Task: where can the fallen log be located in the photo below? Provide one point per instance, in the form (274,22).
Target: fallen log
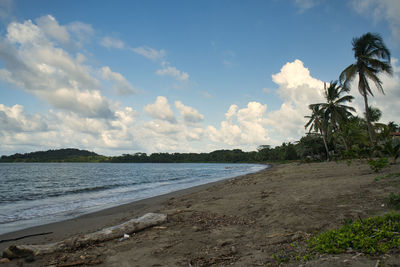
(131,226)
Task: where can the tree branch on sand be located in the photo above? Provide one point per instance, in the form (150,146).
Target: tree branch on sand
(131,226)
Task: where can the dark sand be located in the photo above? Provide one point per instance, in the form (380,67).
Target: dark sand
(243,221)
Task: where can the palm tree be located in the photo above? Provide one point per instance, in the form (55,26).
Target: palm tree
(335,109)
(318,123)
(372,58)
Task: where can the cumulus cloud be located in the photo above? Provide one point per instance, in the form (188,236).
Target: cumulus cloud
(189,114)
(34,63)
(173,72)
(14,119)
(388,10)
(120,84)
(149,52)
(242,127)
(110,42)
(297,89)
(160,109)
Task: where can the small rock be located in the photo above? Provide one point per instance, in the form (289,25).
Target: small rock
(233,250)
(349,250)
(195,228)
(4,260)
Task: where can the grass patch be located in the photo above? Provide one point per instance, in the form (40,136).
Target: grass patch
(374,235)
(387,176)
(394,201)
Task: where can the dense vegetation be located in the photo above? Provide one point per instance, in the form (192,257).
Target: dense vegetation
(58,155)
(372,236)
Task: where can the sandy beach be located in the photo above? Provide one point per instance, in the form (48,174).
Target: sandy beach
(250,220)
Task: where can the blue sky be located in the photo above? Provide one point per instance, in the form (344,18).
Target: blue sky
(177,76)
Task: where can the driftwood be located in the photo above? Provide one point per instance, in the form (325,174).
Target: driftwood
(131,226)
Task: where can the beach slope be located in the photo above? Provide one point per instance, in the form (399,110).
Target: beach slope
(252,220)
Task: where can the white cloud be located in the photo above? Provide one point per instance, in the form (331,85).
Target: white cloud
(149,52)
(110,42)
(50,27)
(14,119)
(388,10)
(297,89)
(242,127)
(121,85)
(34,63)
(82,32)
(173,72)
(189,114)
(160,109)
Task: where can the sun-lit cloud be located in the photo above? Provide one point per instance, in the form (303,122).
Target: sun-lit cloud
(35,64)
(160,109)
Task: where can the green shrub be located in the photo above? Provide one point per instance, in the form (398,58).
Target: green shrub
(394,201)
(372,236)
(379,164)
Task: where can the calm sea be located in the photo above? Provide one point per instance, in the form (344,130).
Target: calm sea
(38,193)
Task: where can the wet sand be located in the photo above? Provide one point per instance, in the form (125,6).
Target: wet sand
(246,221)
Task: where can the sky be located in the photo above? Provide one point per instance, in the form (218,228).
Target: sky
(120,77)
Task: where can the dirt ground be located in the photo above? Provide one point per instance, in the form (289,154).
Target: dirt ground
(259,219)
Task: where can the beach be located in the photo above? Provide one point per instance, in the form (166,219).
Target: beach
(249,220)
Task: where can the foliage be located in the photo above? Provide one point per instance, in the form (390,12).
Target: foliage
(372,236)
(58,155)
(394,201)
(311,147)
(379,164)
(372,58)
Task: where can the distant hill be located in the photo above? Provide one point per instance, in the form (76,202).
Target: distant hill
(57,155)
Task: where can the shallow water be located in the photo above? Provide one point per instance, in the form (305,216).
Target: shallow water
(38,193)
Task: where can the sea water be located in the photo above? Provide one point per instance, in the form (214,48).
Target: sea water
(38,193)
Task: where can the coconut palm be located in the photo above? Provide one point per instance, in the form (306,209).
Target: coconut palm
(318,123)
(372,58)
(335,109)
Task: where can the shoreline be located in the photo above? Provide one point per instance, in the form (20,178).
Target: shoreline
(250,220)
(97,220)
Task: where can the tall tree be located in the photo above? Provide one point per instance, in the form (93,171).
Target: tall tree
(372,58)
(335,110)
(318,123)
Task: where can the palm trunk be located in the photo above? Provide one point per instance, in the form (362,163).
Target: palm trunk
(367,118)
(324,139)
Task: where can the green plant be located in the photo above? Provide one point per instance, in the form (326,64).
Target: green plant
(394,201)
(374,235)
(387,176)
(379,164)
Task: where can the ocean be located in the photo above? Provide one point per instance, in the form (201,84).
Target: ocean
(38,193)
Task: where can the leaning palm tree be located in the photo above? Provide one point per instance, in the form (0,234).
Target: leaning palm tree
(372,58)
(335,109)
(318,123)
